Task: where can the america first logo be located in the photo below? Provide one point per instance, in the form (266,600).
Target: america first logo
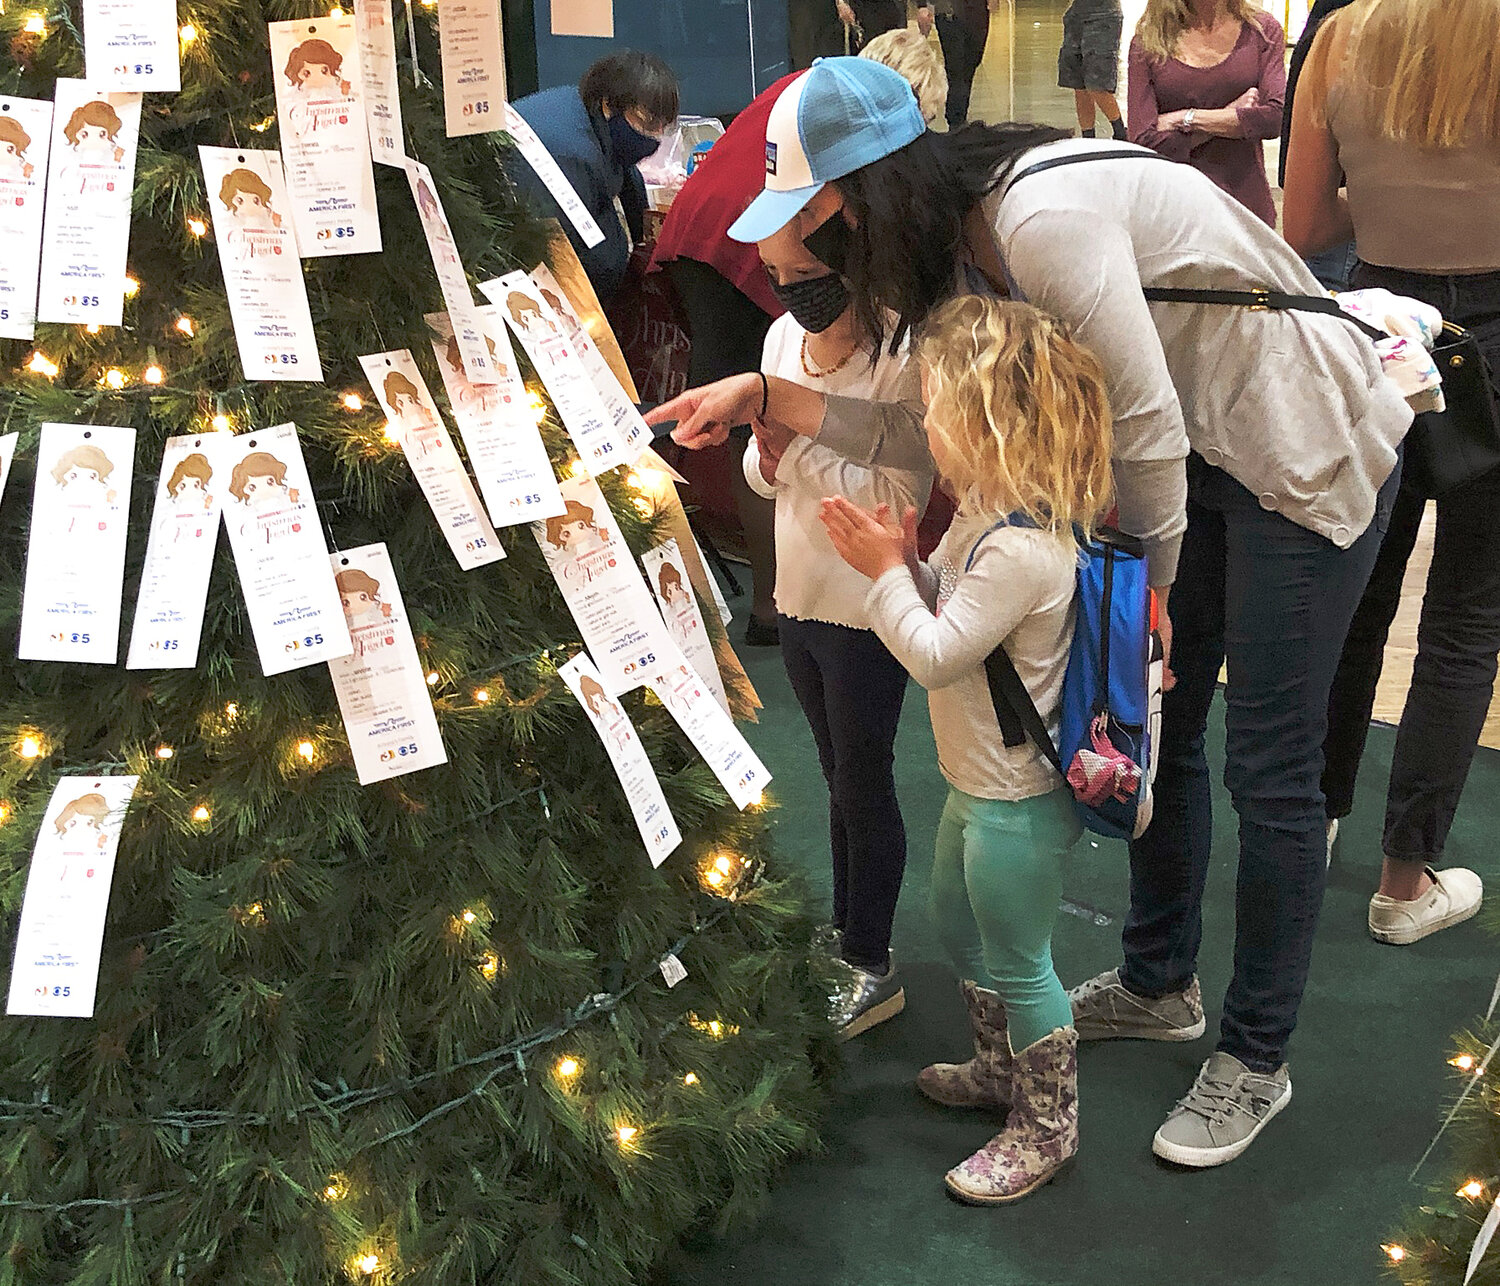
(770,158)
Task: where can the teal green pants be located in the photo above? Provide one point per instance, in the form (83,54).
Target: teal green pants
(996,885)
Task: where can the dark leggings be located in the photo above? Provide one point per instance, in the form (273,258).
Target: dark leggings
(851,690)
(1453,678)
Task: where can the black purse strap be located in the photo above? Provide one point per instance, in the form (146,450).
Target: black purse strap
(1256,300)
(1015,710)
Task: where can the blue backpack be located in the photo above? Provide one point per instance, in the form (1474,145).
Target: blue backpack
(1111,699)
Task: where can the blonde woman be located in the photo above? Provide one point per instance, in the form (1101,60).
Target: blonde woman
(1206,83)
(1400,101)
(911,55)
(1019,425)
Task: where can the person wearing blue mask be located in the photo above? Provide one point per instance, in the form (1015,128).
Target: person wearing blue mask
(598,133)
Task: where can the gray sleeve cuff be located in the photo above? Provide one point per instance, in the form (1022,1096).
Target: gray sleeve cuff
(885,434)
(1152,499)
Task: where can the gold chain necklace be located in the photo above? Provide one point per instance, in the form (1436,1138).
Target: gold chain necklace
(813,372)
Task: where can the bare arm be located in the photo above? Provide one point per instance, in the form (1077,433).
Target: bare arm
(1315,216)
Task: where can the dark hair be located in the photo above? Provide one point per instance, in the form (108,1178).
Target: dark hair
(629,80)
(909,210)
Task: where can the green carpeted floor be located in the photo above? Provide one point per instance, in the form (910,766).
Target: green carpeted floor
(1308,1204)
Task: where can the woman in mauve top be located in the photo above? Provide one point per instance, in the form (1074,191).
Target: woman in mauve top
(1206,83)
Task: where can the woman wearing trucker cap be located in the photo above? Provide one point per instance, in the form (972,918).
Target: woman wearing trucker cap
(1254,458)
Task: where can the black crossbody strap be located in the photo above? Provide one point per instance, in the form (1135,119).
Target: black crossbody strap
(1010,697)
(1261,301)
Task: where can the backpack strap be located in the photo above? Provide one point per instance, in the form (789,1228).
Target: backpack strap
(1075,158)
(1015,711)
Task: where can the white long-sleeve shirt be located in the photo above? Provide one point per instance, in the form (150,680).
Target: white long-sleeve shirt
(812,582)
(942,624)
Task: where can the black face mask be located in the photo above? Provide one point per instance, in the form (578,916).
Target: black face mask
(830,242)
(814,304)
(631,147)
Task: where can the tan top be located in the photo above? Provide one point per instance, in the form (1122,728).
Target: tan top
(1423,209)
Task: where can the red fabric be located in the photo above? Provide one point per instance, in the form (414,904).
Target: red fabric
(728,177)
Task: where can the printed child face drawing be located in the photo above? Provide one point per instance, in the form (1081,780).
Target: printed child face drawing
(359,592)
(83,474)
(83,819)
(426,201)
(314,68)
(247,197)
(597,700)
(190,479)
(405,400)
(527,314)
(14,141)
(259,482)
(574,530)
(669,582)
(93,132)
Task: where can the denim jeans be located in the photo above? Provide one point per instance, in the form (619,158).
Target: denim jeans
(1333,267)
(963,51)
(851,690)
(1274,600)
(1458,639)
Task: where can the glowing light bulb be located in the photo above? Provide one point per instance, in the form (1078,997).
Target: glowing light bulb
(723,863)
(482,695)
(201,813)
(626,1134)
(1473,1190)
(337,1188)
(132,287)
(335,12)
(164,752)
(577,469)
(1395,1253)
(1464,1062)
(714,877)
(231,710)
(369,1265)
(41,364)
(93,328)
(690,1079)
(221,424)
(187,33)
(154,375)
(468,916)
(352,402)
(186,326)
(306,750)
(715,1028)
(389,435)
(115,378)
(197,227)
(433,678)
(634,481)
(31,746)
(538,406)
(489,964)
(565,1069)
(36,25)
(261,126)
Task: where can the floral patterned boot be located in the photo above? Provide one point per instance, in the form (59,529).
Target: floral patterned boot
(984,1081)
(1041,1134)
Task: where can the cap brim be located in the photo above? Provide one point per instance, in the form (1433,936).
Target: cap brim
(770,212)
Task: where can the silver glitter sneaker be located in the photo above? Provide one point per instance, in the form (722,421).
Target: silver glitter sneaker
(864,999)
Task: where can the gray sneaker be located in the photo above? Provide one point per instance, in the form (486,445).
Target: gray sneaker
(1104,1010)
(864,999)
(1223,1112)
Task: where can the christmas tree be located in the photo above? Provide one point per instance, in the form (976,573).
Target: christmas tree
(409,1032)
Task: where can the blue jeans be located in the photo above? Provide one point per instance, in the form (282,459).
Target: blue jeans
(851,690)
(1275,600)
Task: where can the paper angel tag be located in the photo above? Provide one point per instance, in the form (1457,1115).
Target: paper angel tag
(90,181)
(273,325)
(415,422)
(667,575)
(25,139)
(497,426)
(470,45)
(463,313)
(75,561)
(603,587)
(280,552)
(377,56)
(325,141)
(382,691)
(132,44)
(708,726)
(55,973)
(179,554)
(632,766)
(543,335)
(542,161)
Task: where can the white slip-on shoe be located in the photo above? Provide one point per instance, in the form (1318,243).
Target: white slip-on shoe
(1454,897)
